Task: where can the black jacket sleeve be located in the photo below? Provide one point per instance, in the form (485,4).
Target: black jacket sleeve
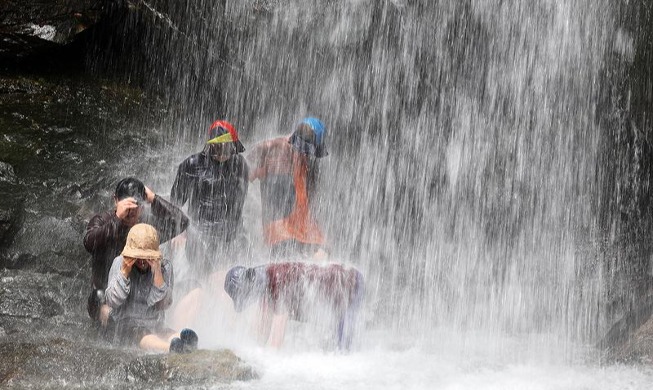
(100,231)
(168,219)
(180,188)
(243,185)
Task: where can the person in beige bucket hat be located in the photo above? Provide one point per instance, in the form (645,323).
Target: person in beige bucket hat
(140,290)
(106,236)
(142,243)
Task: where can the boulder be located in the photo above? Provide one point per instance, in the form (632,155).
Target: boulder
(631,338)
(11,207)
(38,296)
(34,33)
(56,21)
(65,363)
(200,367)
(638,348)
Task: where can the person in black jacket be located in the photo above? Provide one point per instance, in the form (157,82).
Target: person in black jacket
(106,234)
(214,184)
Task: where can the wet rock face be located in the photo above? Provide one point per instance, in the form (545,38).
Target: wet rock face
(33,32)
(59,362)
(637,348)
(11,210)
(53,21)
(198,368)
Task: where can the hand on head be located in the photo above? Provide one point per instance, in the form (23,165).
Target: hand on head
(126,267)
(149,195)
(129,196)
(155,264)
(126,208)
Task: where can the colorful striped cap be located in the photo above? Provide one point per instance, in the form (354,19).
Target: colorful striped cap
(222,132)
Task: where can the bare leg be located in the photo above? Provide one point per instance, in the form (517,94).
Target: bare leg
(156,343)
(187,309)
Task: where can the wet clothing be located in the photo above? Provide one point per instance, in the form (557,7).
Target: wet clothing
(288,284)
(296,288)
(138,305)
(106,235)
(288,181)
(215,193)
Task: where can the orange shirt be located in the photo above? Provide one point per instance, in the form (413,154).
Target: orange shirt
(283,173)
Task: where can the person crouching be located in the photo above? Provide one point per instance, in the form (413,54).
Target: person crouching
(139,291)
(292,290)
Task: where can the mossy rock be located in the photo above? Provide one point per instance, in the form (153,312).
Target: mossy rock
(57,362)
(199,367)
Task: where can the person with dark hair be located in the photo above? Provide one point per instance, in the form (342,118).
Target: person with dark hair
(299,291)
(106,234)
(214,185)
(139,290)
(287,169)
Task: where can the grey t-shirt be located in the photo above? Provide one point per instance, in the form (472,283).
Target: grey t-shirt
(136,299)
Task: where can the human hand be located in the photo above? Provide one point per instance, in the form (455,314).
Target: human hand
(126,267)
(105,311)
(149,195)
(124,207)
(155,265)
(155,268)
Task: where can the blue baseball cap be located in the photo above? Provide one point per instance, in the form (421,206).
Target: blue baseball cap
(310,142)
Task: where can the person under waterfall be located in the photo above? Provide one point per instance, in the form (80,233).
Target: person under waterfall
(139,290)
(305,292)
(106,235)
(287,168)
(214,185)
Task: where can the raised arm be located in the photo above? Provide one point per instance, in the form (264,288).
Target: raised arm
(256,160)
(160,295)
(119,284)
(168,219)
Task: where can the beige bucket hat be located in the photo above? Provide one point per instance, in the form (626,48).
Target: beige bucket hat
(142,243)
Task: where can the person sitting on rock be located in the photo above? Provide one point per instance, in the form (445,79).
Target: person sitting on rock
(296,290)
(138,292)
(287,168)
(106,234)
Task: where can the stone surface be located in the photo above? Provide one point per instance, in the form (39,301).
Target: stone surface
(638,348)
(55,21)
(11,208)
(46,35)
(64,363)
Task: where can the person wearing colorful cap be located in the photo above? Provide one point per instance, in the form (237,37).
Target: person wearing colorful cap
(302,292)
(287,169)
(106,233)
(139,291)
(214,185)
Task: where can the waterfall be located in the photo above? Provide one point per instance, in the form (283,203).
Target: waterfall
(467,168)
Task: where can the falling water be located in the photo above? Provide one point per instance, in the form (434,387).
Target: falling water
(464,175)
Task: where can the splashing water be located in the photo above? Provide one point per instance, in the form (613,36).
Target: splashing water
(463,177)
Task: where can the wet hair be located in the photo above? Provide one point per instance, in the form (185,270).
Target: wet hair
(130,187)
(239,284)
(307,140)
(306,133)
